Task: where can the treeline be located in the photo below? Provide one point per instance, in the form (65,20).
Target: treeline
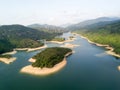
(50,57)
(108,34)
(60,39)
(6,56)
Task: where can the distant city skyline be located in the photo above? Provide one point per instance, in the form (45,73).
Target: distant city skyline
(55,12)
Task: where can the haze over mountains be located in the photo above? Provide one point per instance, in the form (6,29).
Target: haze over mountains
(105,20)
(46,28)
(112,26)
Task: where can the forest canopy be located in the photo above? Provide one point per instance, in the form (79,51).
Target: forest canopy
(50,57)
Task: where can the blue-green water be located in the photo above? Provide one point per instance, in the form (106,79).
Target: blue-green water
(89,68)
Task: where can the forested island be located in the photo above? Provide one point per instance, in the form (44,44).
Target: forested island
(48,61)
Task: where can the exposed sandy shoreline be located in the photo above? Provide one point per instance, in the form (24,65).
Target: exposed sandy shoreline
(38,48)
(56,42)
(7,61)
(67,45)
(110,49)
(10,53)
(68,40)
(44,71)
(21,49)
(31,60)
(30,49)
(118,68)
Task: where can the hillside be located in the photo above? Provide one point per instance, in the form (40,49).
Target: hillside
(107,34)
(18,36)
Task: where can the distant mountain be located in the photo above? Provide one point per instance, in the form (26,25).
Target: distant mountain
(99,24)
(39,25)
(65,25)
(109,26)
(18,36)
(46,28)
(92,21)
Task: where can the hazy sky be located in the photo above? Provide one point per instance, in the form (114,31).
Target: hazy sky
(55,12)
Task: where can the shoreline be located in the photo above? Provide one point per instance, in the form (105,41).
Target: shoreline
(110,50)
(118,68)
(7,60)
(31,60)
(68,40)
(56,42)
(38,48)
(10,53)
(67,45)
(44,71)
(30,49)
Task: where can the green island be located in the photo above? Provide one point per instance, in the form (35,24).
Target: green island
(106,34)
(48,61)
(50,57)
(59,39)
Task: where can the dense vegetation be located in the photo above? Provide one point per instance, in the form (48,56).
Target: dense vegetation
(60,39)
(6,56)
(50,57)
(18,36)
(107,34)
(29,43)
(5,46)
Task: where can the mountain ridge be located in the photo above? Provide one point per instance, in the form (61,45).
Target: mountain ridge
(90,22)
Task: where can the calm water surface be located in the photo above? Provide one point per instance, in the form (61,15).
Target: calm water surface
(89,68)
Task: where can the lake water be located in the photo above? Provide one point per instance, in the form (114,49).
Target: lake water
(89,68)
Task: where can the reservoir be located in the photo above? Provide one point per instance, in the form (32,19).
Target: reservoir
(89,68)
